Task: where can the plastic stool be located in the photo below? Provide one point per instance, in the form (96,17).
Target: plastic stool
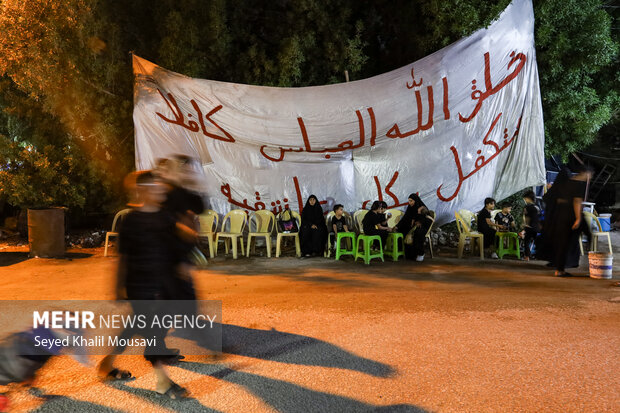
(507,244)
(366,254)
(341,250)
(393,248)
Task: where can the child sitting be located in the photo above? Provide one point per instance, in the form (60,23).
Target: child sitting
(338,223)
(375,222)
(504,219)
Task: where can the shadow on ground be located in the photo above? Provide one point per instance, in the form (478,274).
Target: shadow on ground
(10,258)
(55,403)
(507,273)
(288,397)
(187,404)
(292,349)
(13,257)
(281,395)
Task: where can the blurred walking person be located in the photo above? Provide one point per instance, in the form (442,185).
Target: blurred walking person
(147,263)
(564,221)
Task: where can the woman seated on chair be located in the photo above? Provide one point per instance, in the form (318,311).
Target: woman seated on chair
(422,224)
(416,216)
(411,214)
(375,222)
(313,232)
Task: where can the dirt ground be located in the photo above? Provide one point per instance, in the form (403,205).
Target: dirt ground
(319,335)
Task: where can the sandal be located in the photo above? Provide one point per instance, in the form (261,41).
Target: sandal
(117,374)
(175,392)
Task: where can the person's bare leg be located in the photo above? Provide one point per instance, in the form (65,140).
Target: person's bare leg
(106,365)
(107,371)
(163,381)
(165,385)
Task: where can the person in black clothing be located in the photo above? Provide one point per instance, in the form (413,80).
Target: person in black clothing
(422,224)
(486,226)
(313,231)
(375,223)
(185,205)
(504,218)
(146,267)
(564,222)
(411,214)
(338,222)
(531,223)
(413,218)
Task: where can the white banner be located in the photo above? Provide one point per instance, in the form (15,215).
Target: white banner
(457,126)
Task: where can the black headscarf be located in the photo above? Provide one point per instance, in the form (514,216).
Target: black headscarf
(556,191)
(411,213)
(312,214)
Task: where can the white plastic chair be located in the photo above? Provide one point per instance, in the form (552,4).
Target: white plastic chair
(118,218)
(428,233)
(395,216)
(463,223)
(238,219)
(264,222)
(295,235)
(590,218)
(208,221)
(358,217)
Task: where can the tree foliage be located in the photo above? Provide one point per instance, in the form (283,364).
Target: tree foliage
(575,48)
(66,84)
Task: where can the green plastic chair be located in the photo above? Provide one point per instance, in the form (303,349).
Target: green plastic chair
(366,254)
(345,235)
(394,248)
(507,244)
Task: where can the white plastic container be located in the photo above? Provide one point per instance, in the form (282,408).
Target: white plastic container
(600,264)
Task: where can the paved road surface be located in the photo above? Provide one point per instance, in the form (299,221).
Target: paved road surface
(315,335)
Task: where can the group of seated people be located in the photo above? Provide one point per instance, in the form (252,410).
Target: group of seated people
(415,222)
(504,222)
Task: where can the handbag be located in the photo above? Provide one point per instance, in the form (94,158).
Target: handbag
(287,222)
(409,236)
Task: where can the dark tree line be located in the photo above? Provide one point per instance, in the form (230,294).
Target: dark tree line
(66,133)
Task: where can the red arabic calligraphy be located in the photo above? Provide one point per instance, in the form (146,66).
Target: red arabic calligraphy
(388,191)
(490,90)
(446,109)
(277,206)
(343,146)
(179,118)
(395,132)
(480,161)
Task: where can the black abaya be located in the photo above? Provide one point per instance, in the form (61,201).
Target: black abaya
(560,241)
(411,215)
(408,221)
(312,240)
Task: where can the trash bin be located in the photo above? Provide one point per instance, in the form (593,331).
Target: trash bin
(46,232)
(605,220)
